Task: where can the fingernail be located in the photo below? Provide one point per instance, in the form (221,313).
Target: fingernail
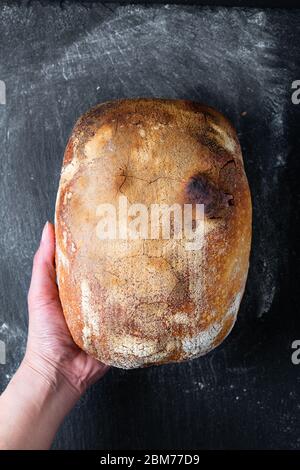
(44,234)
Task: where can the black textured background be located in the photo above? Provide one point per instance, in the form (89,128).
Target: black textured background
(57,61)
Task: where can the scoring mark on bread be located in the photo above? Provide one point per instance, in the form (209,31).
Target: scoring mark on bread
(223,138)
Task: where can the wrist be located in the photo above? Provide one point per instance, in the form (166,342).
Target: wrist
(56,372)
(47,377)
(36,400)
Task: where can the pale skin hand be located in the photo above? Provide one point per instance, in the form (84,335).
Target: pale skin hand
(54,372)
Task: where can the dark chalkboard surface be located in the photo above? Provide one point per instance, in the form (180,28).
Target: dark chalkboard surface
(56,62)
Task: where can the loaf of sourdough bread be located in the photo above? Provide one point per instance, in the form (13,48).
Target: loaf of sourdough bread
(134,291)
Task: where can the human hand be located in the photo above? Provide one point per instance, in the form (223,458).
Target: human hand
(54,372)
(51,350)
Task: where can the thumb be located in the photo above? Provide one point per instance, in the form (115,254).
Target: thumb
(43,289)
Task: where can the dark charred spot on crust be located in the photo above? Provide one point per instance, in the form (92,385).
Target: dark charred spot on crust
(193,106)
(200,190)
(209,114)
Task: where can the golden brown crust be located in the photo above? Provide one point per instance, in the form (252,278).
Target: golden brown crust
(143,302)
